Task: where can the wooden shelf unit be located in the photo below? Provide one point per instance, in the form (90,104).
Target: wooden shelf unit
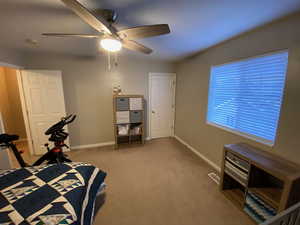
(273,179)
(124,106)
(270,195)
(236,195)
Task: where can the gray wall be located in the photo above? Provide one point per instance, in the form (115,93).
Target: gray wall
(11,56)
(88,89)
(192,91)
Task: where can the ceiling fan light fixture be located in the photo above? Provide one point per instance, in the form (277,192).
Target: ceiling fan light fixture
(112,45)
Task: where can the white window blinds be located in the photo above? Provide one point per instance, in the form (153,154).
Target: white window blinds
(245,96)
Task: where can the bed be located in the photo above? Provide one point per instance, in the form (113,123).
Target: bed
(50,194)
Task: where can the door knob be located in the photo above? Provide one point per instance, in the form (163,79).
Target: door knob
(153,111)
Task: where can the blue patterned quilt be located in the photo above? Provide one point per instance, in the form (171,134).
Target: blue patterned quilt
(49,194)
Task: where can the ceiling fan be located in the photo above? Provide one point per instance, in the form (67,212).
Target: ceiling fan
(110,38)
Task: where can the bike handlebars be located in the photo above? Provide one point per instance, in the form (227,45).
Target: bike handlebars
(60,125)
(69,119)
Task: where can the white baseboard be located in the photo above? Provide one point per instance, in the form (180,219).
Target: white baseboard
(212,164)
(98,144)
(93,145)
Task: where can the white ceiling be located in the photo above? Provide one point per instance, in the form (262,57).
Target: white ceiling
(195,24)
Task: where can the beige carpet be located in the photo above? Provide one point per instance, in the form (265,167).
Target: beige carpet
(23,145)
(160,183)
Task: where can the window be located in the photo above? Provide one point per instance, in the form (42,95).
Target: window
(245,96)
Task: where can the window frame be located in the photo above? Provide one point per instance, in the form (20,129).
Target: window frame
(235,131)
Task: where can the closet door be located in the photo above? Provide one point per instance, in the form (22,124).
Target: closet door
(162,105)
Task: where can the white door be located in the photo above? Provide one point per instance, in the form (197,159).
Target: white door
(162,104)
(45,103)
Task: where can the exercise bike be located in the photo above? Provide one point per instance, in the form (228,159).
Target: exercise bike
(53,155)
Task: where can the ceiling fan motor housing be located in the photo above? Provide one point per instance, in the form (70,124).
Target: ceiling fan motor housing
(109,15)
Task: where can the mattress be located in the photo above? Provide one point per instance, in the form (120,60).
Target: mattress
(50,194)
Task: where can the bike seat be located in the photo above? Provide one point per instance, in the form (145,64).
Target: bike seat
(6,138)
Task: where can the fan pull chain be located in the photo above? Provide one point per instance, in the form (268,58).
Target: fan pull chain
(109,63)
(116,59)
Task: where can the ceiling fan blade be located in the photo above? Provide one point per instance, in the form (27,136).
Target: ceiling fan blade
(72,35)
(132,45)
(97,22)
(144,31)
